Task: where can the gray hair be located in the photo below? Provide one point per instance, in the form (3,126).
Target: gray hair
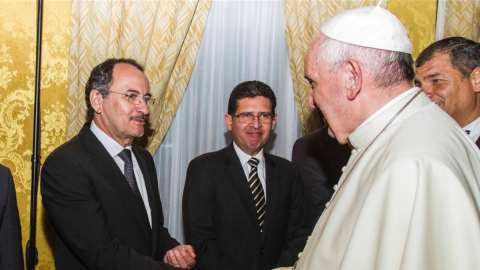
(385,68)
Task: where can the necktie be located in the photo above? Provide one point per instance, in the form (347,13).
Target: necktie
(126,156)
(257,191)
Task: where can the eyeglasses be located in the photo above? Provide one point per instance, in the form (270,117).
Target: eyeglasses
(248,118)
(136,99)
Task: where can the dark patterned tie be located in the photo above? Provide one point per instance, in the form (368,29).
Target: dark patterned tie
(126,156)
(257,191)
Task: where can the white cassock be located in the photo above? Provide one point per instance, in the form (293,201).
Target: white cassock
(412,200)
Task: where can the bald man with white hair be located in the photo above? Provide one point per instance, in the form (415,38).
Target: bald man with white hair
(409,196)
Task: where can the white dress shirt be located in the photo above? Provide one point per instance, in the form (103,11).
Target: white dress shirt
(114,148)
(474,129)
(244,158)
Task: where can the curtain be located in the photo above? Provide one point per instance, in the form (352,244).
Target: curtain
(243,40)
(460,18)
(164,36)
(303,22)
(304,19)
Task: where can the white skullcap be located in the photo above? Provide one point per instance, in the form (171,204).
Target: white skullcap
(372,27)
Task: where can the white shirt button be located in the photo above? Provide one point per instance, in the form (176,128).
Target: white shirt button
(344,169)
(327,204)
(354,152)
(300,254)
(335,187)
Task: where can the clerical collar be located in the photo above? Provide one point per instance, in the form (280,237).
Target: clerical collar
(112,146)
(244,157)
(389,104)
(473,129)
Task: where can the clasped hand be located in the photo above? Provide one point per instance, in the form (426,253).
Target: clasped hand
(181,256)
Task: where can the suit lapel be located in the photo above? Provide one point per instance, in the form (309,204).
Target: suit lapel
(237,176)
(102,160)
(273,185)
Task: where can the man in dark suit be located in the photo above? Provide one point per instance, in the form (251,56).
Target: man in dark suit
(320,158)
(11,256)
(448,71)
(102,199)
(243,208)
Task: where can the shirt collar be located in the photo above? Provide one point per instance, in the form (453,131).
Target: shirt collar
(112,146)
(244,158)
(367,131)
(389,104)
(474,128)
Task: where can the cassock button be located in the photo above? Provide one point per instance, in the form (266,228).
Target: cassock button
(344,168)
(335,187)
(262,250)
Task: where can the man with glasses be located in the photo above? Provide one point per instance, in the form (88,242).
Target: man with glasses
(101,192)
(243,208)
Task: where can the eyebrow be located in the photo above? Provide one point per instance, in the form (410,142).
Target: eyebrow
(431,76)
(138,92)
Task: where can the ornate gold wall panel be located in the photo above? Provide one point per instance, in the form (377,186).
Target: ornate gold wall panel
(418,17)
(17,82)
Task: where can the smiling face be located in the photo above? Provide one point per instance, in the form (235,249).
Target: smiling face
(446,86)
(251,137)
(115,115)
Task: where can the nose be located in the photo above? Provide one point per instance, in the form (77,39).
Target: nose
(427,91)
(143,107)
(256,122)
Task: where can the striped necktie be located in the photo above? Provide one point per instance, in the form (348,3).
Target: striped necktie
(257,191)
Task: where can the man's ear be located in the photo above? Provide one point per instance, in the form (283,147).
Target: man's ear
(96,100)
(228,121)
(274,122)
(475,79)
(353,80)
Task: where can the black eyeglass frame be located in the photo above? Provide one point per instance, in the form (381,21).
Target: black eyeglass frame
(248,118)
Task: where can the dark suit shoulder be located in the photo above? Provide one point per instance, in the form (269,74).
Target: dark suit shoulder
(312,137)
(142,152)
(70,148)
(4,170)
(280,161)
(211,157)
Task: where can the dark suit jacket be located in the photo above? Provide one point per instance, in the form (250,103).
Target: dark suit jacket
(96,219)
(321,159)
(11,254)
(220,217)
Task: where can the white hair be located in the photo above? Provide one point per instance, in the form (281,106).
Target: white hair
(384,68)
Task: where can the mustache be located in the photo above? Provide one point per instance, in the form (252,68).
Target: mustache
(142,117)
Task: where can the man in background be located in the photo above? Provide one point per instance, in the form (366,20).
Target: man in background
(320,159)
(11,256)
(101,192)
(243,208)
(448,71)
(409,197)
